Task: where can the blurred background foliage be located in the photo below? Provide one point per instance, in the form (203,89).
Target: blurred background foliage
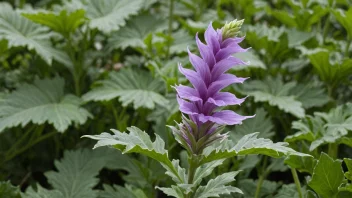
(75,67)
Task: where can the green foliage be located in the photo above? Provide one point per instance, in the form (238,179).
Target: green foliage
(64,23)
(327,176)
(344,18)
(136,87)
(8,191)
(19,31)
(41,102)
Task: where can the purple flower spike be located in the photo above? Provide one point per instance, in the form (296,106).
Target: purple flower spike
(202,101)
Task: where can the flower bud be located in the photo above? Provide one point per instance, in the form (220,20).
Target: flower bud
(232,29)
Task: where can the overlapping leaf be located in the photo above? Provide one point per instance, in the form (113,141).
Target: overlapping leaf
(19,31)
(136,30)
(138,141)
(40,102)
(132,87)
(7,190)
(276,93)
(345,19)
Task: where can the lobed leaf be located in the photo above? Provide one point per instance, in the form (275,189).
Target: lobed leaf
(40,102)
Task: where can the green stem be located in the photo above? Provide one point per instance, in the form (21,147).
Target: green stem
(347,48)
(262,177)
(326,27)
(41,138)
(171,13)
(333,150)
(114,112)
(193,165)
(298,184)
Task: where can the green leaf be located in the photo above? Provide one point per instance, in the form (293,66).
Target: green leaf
(331,73)
(216,186)
(345,19)
(289,190)
(9,191)
(174,191)
(327,176)
(348,163)
(181,40)
(297,38)
(205,170)
(41,193)
(110,15)
(248,186)
(138,141)
(135,87)
(115,191)
(261,122)
(63,22)
(247,145)
(252,58)
(310,95)
(301,163)
(40,102)
(19,31)
(136,30)
(276,93)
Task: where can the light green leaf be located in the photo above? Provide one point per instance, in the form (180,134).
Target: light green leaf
(331,73)
(138,141)
(310,95)
(136,30)
(345,19)
(247,145)
(327,176)
(63,22)
(19,31)
(248,186)
(261,122)
(41,193)
(40,102)
(252,58)
(205,170)
(115,191)
(174,191)
(110,15)
(7,190)
(301,163)
(216,186)
(286,191)
(297,38)
(284,17)
(135,87)
(276,93)
(181,40)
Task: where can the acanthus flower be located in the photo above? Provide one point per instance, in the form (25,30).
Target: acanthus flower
(202,101)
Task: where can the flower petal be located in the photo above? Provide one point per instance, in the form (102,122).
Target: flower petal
(187,107)
(201,67)
(225,117)
(206,53)
(223,81)
(231,41)
(211,37)
(224,65)
(195,79)
(224,99)
(187,93)
(228,51)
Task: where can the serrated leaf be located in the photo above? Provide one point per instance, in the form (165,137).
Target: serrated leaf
(136,30)
(205,170)
(138,141)
(249,144)
(276,93)
(135,87)
(216,186)
(330,73)
(41,193)
(19,31)
(115,191)
(248,186)
(297,38)
(110,15)
(327,176)
(63,22)
(181,40)
(261,122)
(40,102)
(345,19)
(310,95)
(7,190)
(174,191)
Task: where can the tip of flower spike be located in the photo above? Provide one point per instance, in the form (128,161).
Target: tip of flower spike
(232,29)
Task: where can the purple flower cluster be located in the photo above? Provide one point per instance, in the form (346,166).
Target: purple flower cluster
(203,101)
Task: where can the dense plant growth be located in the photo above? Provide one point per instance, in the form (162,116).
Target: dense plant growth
(161,74)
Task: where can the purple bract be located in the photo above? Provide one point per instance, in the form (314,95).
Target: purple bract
(203,101)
